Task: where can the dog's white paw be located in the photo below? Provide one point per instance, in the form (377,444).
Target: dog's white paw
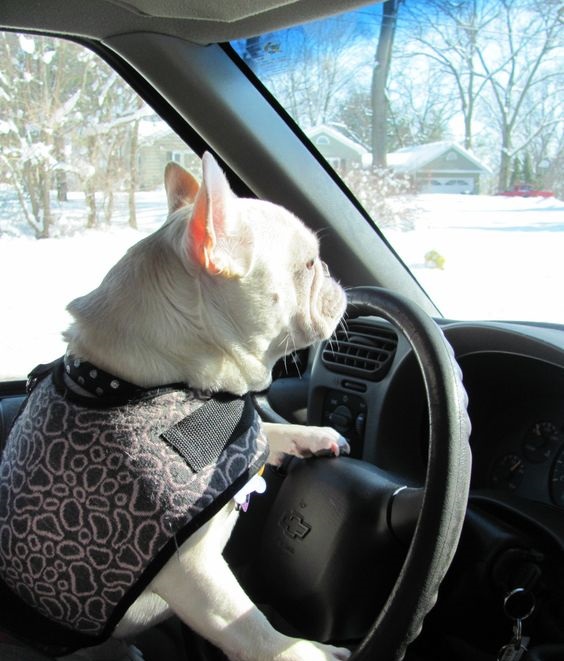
(304,441)
(325,441)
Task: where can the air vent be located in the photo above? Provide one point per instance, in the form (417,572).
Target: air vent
(360,350)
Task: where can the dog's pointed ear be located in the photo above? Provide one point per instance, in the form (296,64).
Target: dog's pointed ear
(217,243)
(181,187)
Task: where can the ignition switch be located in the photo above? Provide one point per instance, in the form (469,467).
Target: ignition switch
(517,568)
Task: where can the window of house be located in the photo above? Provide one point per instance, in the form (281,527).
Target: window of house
(81,172)
(175,156)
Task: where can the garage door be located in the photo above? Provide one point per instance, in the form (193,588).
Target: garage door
(456,185)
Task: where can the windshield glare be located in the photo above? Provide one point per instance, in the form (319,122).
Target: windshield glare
(444,119)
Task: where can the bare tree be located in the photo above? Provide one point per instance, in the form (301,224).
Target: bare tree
(552,167)
(133,143)
(540,134)
(520,72)
(64,113)
(420,107)
(380,75)
(419,110)
(447,33)
(355,113)
(107,144)
(36,99)
(499,57)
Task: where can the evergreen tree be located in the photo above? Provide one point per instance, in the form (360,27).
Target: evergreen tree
(516,172)
(527,170)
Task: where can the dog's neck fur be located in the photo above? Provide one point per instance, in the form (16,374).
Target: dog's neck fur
(128,327)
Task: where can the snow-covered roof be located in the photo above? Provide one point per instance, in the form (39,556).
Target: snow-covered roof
(407,159)
(416,157)
(153,128)
(336,134)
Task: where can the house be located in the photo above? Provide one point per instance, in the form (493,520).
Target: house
(157,146)
(439,167)
(436,167)
(340,151)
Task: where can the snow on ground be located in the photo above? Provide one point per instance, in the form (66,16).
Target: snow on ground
(503,259)
(40,277)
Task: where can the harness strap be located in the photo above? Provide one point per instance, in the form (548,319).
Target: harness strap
(217,422)
(38,373)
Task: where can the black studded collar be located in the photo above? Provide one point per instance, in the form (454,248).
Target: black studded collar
(88,384)
(95,381)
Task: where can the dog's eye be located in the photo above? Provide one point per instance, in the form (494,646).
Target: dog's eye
(310,264)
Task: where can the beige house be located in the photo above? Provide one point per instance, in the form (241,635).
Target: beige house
(341,152)
(439,167)
(436,167)
(157,146)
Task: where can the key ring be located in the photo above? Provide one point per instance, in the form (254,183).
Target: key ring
(519,596)
(518,605)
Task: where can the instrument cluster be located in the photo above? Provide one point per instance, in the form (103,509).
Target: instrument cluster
(535,466)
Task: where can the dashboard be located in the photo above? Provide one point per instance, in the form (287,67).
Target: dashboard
(365,383)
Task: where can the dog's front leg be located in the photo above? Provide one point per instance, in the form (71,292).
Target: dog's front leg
(302,441)
(200,588)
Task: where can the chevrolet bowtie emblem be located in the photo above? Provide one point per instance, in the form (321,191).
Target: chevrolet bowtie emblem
(294,525)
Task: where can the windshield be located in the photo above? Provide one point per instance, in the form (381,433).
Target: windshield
(444,119)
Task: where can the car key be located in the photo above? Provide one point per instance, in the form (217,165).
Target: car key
(518,605)
(515,649)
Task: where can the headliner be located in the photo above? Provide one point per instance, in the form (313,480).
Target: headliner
(200,21)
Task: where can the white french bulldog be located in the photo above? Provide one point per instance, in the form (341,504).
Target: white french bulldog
(214,298)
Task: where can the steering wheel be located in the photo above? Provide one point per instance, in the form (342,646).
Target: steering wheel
(348,551)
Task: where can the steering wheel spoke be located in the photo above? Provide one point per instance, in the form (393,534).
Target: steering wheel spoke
(338,509)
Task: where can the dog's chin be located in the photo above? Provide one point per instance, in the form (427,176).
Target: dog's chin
(318,329)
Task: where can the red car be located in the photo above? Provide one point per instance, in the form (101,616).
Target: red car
(525,190)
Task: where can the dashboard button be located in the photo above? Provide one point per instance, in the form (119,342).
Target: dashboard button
(341,418)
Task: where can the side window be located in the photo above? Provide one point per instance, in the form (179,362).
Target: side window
(81,170)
